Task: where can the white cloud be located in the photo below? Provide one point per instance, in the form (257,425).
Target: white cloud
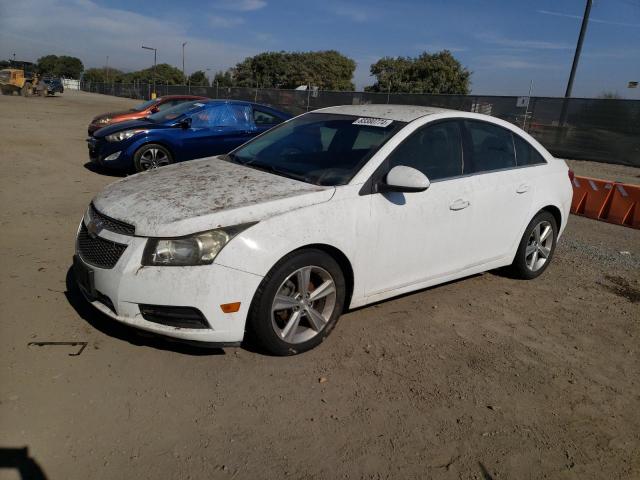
(356,13)
(438,47)
(509,62)
(591,19)
(240,5)
(91,32)
(225,22)
(499,40)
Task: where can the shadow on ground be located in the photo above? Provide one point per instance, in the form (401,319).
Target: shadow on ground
(92,167)
(18,459)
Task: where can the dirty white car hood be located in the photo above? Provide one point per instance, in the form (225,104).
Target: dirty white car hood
(201,195)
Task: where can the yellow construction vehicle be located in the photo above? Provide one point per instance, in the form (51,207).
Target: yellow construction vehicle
(22,81)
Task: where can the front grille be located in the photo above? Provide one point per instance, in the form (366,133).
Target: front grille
(98,251)
(110,223)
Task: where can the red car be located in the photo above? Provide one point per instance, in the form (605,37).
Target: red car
(143,110)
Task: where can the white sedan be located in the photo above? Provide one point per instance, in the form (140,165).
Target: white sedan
(332,210)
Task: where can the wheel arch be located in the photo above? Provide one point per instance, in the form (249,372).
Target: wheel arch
(553,210)
(149,141)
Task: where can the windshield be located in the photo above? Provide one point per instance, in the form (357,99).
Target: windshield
(175,112)
(144,105)
(318,148)
(5,76)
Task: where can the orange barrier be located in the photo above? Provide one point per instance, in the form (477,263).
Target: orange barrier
(612,202)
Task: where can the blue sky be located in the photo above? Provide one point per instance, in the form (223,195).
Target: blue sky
(506,44)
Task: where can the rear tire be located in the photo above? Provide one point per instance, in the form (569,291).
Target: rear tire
(536,247)
(297,303)
(151,156)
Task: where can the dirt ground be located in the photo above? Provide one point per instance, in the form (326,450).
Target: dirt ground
(483,378)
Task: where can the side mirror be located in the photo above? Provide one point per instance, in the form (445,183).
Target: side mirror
(185,123)
(404,179)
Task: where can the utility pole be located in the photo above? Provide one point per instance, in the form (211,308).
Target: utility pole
(183,75)
(576,57)
(574,65)
(107,68)
(155,58)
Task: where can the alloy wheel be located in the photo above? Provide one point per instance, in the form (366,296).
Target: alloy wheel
(153,158)
(303,304)
(539,246)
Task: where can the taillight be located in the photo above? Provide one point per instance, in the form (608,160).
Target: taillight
(571,175)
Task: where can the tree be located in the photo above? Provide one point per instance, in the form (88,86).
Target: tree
(103,75)
(438,73)
(198,79)
(165,74)
(328,70)
(47,64)
(223,79)
(62,66)
(69,67)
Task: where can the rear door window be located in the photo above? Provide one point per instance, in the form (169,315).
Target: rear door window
(167,105)
(261,117)
(225,115)
(434,150)
(491,148)
(525,153)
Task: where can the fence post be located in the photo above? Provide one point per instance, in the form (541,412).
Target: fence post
(533,102)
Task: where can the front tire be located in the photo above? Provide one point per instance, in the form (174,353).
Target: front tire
(151,156)
(298,303)
(536,247)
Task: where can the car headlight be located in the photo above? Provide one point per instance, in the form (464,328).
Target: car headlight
(120,136)
(199,249)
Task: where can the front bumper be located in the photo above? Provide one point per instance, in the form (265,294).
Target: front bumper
(128,285)
(100,150)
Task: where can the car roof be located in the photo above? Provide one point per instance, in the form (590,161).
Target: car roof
(400,113)
(175,97)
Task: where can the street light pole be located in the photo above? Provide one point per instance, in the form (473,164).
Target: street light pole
(155,58)
(107,68)
(183,75)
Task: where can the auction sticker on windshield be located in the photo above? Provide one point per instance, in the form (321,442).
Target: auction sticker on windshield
(373,122)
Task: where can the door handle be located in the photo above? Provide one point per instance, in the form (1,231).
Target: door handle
(459,204)
(522,188)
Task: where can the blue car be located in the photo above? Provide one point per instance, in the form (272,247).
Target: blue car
(201,128)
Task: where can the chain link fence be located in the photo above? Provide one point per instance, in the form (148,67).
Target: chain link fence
(604,130)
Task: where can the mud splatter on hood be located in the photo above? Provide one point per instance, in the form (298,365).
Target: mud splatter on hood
(203,194)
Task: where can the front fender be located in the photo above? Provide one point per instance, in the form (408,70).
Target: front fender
(259,248)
